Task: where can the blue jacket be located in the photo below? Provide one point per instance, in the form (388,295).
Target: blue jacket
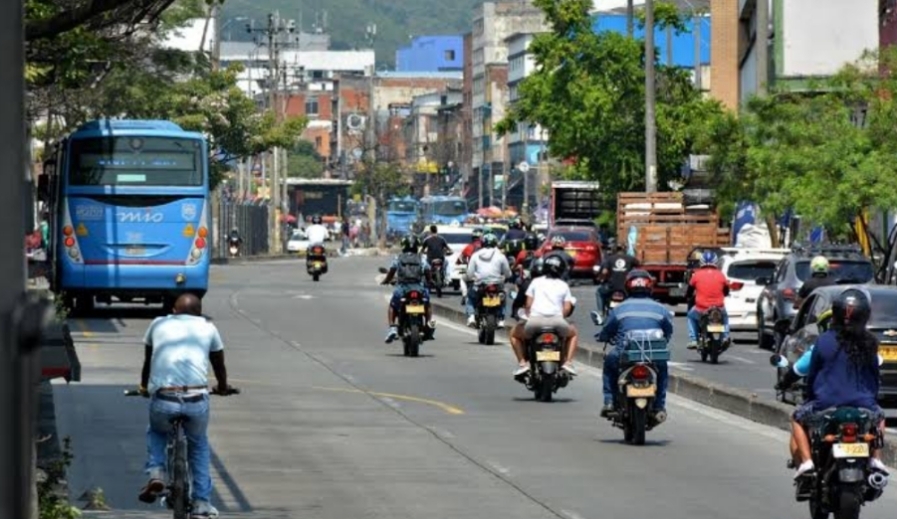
(636,313)
(834,381)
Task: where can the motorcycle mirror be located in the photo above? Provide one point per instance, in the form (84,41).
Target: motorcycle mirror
(383,270)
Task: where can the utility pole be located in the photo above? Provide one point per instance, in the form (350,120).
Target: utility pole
(650,102)
(762,44)
(630,15)
(696,31)
(216,43)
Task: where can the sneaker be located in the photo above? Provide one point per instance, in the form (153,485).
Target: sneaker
(877,464)
(472,321)
(596,318)
(203,510)
(501,323)
(521,370)
(151,491)
(432,324)
(569,369)
(392,335)
(607,410)
(692,345)
(805,468)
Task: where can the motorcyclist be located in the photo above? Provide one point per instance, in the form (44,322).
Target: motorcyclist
(515,231)
(519,302)
(435,247)
(558,243)
(819,277)
(316,232)
(709,287)
(476,243)
(548,303)
(843,371)
(410,271)
(612,275)
(486,266)
(234,237)
(638,313)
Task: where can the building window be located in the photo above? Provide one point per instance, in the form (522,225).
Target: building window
(311,106)
(450,55)
(318,144)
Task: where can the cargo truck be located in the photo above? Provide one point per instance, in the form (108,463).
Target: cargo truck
(575,202)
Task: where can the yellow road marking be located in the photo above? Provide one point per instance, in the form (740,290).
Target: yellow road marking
(82,326)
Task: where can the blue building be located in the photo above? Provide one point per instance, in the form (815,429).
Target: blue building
(432,54)
(683,44)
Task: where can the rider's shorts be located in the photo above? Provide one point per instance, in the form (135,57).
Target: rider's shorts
(535,324)
(806,413)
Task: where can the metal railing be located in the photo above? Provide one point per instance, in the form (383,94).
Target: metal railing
(250,218)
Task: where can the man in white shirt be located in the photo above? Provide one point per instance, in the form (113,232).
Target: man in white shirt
(548,303)
(316,232)
(179,349)
(487,265)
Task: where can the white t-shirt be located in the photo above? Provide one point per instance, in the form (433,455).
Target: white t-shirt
(316,233)
(549,296)
(181,346)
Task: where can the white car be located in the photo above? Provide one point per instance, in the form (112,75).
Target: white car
(457,238)
(742,268)
(298,243)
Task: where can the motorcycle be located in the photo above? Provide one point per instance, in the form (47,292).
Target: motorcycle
(233,248)
(545,352)
(412,322)
(437,275)
(316,261)
(710,335)
(488,312)
(637,384)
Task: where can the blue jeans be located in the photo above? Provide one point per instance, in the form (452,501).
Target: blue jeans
(612,372)
(694,323)
(400,291)
(602,292)
(198,451)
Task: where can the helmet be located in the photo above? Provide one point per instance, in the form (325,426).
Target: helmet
(531,242)
(639,282)
(708,259)
(554,267)
(824,320)
(819,265)
(410,243)
(851,308)
(515,224)
(476,235)
(490,241)
(538,268)
(316,219)
(558,242)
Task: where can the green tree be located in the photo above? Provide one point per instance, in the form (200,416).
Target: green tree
(304,161)
(589,94)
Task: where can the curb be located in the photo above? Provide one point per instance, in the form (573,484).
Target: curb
(731,400)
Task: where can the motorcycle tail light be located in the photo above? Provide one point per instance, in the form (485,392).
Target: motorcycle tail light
(492,289)
(849,432)
(547,338)
(413,295)
(639,372)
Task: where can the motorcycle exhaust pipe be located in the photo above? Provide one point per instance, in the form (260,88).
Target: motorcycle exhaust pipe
(878,480)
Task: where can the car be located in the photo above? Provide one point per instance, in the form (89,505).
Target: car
(742,268)
(582,244)
(457,238)
(777,299)
(802,332)
(298,242)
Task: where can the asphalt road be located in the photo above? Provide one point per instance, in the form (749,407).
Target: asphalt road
(334,424)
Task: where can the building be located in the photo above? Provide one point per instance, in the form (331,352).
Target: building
(493,23)
(432,135)
(467,112)
(431,54)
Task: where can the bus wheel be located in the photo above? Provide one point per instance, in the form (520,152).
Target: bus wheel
(83,305)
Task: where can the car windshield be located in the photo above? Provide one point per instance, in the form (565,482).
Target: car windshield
(884,310)
(574,235)
(751,269)
(852,271)
(403,207)
(297,236)
(457,238)
(450,208)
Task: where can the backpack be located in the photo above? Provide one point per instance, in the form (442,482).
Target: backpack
(409,270)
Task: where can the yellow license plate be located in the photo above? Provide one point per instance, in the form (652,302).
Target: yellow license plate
(716,328)
(414,309)
(850,450)
(639,392)
(491,301)
(888,353)
(545,356)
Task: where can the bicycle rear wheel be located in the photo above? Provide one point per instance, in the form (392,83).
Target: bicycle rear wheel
(178,497)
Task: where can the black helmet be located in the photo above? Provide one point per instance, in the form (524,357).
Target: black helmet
(538,268)
(316,219)
(531,242)
(410,243)
(490,241)
(639,282)
(852,308)
(554,267)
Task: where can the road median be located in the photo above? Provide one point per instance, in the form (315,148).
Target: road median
(729,399)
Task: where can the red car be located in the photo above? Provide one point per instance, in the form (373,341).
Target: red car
(582,244)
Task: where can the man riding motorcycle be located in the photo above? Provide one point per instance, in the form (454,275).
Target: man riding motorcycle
(548,303)
(558,243)
(435,247)
(486,266)
(515,231)
(410,271)
(819,277)
(476,243)
(316,232)
(709,287)
(637,313)
(843,371)
(614,270)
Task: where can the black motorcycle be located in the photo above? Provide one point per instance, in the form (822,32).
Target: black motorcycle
(233,247)
(546,353)
(710,335)
(412,321)
(437,275)
(316,261)
(637,385)
(488,312)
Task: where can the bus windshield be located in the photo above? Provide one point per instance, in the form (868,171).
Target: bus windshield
(454,208)
(403,207)
(135,161)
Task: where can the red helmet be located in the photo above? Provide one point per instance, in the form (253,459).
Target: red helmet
(639,281)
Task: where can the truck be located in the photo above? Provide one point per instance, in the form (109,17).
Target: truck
(575,202)
(320,196)
(667,232)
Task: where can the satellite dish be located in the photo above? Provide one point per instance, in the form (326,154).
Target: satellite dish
(523,166)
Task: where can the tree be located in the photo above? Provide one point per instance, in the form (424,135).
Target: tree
(304,161)
(588,92)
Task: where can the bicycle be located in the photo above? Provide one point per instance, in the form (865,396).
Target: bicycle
(176,495)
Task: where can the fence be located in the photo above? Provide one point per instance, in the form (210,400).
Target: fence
(250,218)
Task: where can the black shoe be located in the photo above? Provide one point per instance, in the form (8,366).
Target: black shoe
(607,410)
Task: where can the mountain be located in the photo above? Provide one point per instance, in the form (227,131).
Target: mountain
(397,21)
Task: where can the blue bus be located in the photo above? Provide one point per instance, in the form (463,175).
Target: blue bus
(130,215)
(443,210)
(400,215)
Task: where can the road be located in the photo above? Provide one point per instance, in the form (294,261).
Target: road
(334,424)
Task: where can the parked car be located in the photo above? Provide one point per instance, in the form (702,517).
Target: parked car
(743,267)
(298,242)
(777,299)
(804,329)
(582,244)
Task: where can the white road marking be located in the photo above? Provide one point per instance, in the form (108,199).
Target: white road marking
(501,470)
(741,359)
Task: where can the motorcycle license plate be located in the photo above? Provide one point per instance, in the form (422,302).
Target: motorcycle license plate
(715,328)
(490,301)
(414,309)
(545,356)
(850,450)
(638,392)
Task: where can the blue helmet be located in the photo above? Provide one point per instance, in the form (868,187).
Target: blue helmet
(708,259)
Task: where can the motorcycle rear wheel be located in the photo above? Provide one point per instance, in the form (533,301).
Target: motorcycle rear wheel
(489,325)
(639,422)
(412,341)
(850,500)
